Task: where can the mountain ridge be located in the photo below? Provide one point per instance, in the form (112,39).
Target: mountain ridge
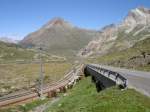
(59,37)
(8,40)
(134,27)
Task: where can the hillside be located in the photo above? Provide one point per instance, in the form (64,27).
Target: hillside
(136,57)
(19,67)
(15,76)
(84,98)
(13,52)
(59,37)
(10,52)
(8,40)
(116,37)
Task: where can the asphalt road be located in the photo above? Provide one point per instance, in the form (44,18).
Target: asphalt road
(138,80)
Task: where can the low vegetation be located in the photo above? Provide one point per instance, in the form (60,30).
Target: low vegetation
(22,76)
(24,107)
(9,51)
(84,98)
(19,67)
(136,57)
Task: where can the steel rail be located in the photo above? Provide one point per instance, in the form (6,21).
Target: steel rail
(18,97)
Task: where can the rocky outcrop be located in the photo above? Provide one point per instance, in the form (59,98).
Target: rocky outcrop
(134,27)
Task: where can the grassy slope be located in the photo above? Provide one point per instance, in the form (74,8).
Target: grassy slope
(14,52)
(84,98)
(14,76)
(124,56)
(25,107)
(28,73)
(126,39)
(60,40)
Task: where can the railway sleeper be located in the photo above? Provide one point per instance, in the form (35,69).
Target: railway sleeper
(52,94)
(62,89)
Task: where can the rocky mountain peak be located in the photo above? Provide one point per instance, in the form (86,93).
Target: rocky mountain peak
(121,36)
(57,22)
(140,11)
(59,37)
(144,10)
(140,15)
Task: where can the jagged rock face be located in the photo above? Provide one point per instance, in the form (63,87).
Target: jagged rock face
(137,16)
(59,37)
(107,34)
(134,27)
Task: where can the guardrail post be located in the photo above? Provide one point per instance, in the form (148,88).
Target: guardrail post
(108,74)
(99,86)
(93,79)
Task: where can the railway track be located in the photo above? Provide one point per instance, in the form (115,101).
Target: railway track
(66,81)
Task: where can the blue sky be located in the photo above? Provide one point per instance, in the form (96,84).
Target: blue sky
(20,17)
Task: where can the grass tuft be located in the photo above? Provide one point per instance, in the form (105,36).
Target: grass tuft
(84,98)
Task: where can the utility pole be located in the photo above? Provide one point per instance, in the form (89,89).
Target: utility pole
(41,77)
